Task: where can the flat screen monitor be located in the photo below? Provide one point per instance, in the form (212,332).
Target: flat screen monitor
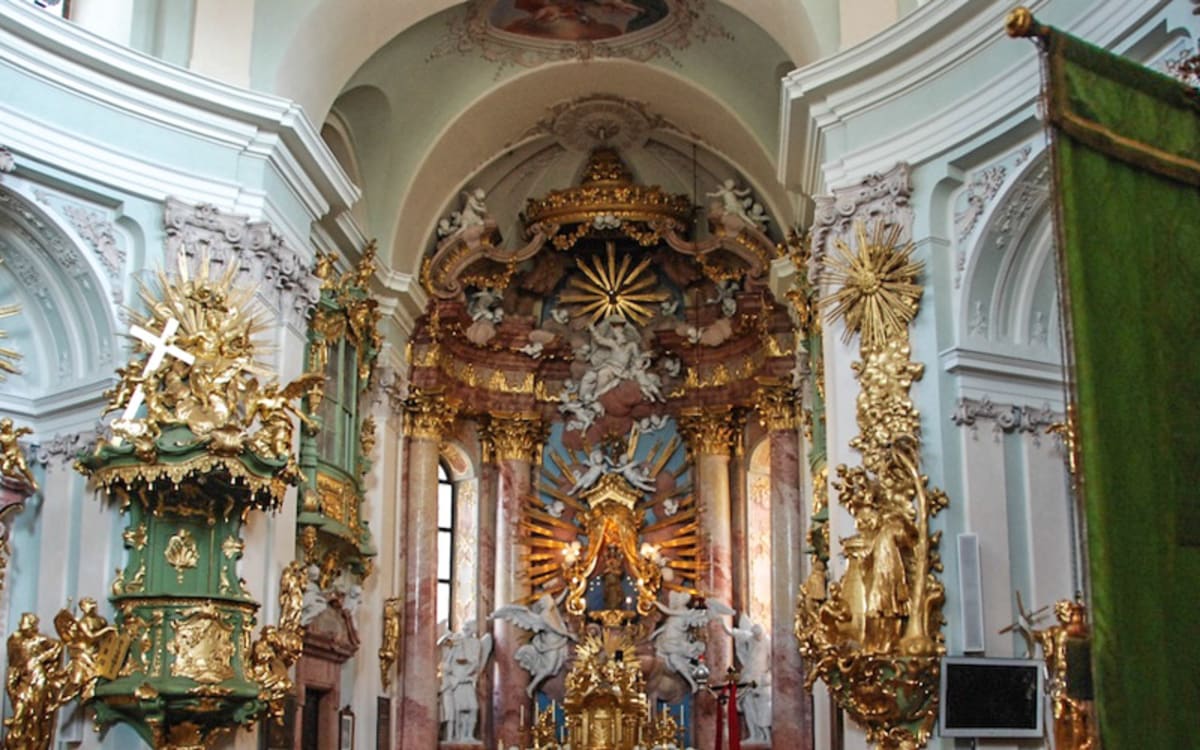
(991,697)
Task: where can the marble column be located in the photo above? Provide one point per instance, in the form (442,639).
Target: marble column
(428,418)
(485,588)
(710,435)
(516,440)
(791,706)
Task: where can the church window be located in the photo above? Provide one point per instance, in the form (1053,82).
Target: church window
(447,494)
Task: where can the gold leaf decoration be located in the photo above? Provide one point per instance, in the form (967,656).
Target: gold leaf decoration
(878,295)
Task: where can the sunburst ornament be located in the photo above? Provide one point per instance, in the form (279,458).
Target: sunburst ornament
(877,293)
(8,357)
(607,288)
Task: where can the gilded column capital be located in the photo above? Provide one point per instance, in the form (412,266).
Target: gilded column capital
(776,404)
(516,436)
(428,414)
(708,432)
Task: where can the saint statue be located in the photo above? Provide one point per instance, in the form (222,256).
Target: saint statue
(464,655)
(752,646)
(34,681)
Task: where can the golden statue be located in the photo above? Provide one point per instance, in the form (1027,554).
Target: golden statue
(1074,720)
(12,457)
(270,657)
(85,639)
(34,683)
(389,648)
(292,583)
(277,648)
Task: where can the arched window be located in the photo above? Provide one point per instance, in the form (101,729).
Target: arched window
(447,494)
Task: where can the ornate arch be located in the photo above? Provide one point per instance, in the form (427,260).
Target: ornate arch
(67,327)
(1010,299)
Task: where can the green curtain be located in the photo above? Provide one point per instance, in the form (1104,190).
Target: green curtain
(1126,155)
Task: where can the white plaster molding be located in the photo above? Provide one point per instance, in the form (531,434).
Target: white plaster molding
(282,275)
(1005,417)
(878,197)
(249,124)
(64,448)
(1001,375)
(936,48)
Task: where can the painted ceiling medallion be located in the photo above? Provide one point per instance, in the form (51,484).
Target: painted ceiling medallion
(532,32)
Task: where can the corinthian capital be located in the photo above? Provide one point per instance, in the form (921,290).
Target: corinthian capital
(709,432)
(428,414)
(516,437)
(776,404)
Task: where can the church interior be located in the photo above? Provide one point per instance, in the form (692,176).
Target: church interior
(515,374)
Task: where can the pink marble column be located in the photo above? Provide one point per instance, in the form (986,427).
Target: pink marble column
(516,439)
(791,707)
(710,435)
(738,536)
(427,420)
(486,580)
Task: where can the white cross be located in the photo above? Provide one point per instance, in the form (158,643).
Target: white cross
(160,350)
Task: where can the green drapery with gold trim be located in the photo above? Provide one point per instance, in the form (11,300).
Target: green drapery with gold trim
(1126,156)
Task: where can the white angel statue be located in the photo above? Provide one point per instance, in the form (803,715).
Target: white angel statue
(546,652)
(464,655)
(752,646)
(674,642)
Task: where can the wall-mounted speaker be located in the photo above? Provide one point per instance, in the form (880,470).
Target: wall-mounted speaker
(970,587)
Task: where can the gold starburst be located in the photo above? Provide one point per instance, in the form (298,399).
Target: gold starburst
(878,294)
(606,288)
(8,357)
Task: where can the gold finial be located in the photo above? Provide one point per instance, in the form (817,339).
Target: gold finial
(1021,23)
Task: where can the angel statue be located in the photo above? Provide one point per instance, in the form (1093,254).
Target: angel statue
(546,652)
(12,457)
(84,638)
(464,655)
(474,211)
(273,407)
(673,641)
(752,646)
(733,200)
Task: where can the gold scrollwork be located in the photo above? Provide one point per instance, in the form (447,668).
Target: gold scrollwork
(182,553)
(202,645)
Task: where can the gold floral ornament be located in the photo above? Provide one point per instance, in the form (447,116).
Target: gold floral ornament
(878,294)
(194,396)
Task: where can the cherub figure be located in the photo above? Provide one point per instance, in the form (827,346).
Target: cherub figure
(12,458)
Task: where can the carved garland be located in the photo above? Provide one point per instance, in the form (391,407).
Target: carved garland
(875,636)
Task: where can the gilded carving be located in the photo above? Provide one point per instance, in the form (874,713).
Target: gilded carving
(776,405)
(135,538)
(516,437)
(874,637)
(202,645)
(181,553)
(389,647)
(428,414)
(708,432)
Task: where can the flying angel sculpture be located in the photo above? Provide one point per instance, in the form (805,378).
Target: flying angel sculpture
(546,652)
